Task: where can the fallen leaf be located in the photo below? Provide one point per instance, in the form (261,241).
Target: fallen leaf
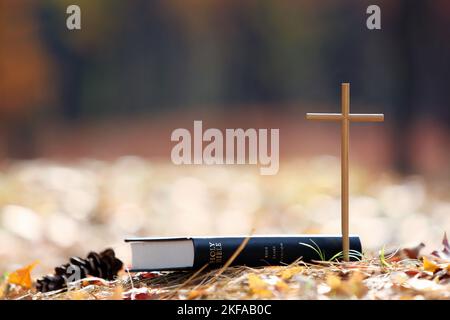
(429,265)
(443,254)
(405,253)
(286,274)
(281,285)
(412,272)
(414,252)
(117,293)
(258,286)
(354,286)
(443,273)
(79,295)
(333,281)
(423,285)
(149,275)
(2,289)
(399,278)
(138,294)
(89,280)
(194,294)
(22,276)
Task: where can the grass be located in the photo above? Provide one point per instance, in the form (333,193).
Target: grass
(353,254)
(383,258)
(316,249)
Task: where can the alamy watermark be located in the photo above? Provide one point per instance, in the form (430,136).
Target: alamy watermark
(373,22)
(73,21)
(236,146)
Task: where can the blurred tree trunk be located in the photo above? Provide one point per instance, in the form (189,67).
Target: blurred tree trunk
(24,75)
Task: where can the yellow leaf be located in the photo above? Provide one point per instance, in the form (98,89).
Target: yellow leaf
(288,273)
(258,286)
(281,285)
(356,286)
(429,265)
(334,282)
(22,277)
(353,286)
(2,290)
(194,294)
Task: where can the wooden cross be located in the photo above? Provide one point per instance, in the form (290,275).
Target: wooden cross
(345,117)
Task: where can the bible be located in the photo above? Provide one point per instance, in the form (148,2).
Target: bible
(157,254)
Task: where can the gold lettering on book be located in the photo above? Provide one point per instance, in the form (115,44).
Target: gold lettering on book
(215,253)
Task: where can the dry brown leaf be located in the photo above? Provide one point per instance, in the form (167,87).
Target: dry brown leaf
(405,253)
(444,254)
(414,252)
(22,276)
(412,272)
(138,294)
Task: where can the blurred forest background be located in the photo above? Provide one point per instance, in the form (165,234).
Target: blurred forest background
(86,117)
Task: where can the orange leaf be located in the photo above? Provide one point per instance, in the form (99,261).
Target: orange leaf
(22,277)
(117,293)
(194,294)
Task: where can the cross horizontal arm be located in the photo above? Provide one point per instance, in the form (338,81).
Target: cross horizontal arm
(357,117)
(324,116)
(354,117)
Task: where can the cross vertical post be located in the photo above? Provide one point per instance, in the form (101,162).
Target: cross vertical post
(345,128)
(345,117)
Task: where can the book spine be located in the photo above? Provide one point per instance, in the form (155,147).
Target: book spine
(262,251)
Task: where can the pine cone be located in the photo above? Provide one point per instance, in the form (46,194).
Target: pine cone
(104,265)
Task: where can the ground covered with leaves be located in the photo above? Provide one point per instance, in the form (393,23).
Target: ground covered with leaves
(403,274)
